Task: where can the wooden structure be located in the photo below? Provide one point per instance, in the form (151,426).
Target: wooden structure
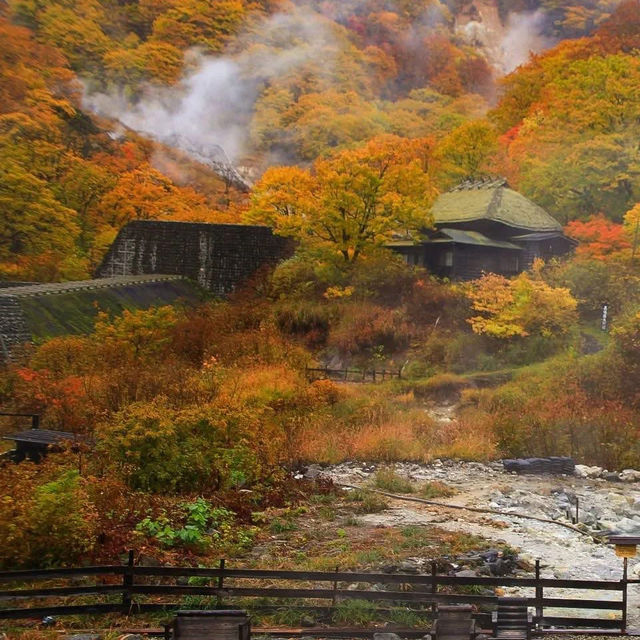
(512,620)
(351,375)
(153,589)
(34,444)
(484,226)
(225,624)
(454,623)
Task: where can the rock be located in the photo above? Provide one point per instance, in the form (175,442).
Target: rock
(630,475)
(307,622)
(131,636)
(148,561)
(585,471)
(627,525)
(611,476)
(467,573)
(313,471)
(386,636)
(84,636)
(408,567)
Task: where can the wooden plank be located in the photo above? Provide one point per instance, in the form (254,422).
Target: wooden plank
(60,591)
(382,578)
(60,573)
(567,603)
(40,612)
(576,623)
(328,594)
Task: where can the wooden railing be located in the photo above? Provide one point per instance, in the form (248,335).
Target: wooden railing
(352,375)
(127,585)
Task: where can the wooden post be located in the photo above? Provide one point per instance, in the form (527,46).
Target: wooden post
(539,608)
(220,584)
(434,585)
(335,589)
(374,374)
(35,421)
(127,583)
(577,510)
(625,588)
(400,373)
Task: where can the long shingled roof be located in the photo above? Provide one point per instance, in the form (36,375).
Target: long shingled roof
(491,199)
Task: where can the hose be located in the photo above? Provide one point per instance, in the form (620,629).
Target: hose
(474,509)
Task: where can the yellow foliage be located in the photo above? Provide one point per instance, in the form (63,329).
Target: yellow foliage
(520,307)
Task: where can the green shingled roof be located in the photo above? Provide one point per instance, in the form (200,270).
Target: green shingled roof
(491,200)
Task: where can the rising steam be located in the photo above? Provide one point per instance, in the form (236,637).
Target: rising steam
(208,114)
(523,36)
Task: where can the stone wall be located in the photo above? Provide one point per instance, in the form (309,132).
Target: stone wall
(219,257)
(42,311)
(13,327)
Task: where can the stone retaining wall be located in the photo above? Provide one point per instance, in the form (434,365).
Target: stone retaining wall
(219,257)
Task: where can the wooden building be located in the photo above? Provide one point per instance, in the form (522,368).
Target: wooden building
(484,226)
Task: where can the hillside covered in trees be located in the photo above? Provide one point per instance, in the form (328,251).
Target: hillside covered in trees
(338,123)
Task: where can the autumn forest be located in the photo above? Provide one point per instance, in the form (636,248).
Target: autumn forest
(337,123)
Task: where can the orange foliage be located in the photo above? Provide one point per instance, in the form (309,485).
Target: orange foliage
(600,239)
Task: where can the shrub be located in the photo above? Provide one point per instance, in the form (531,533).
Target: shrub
(45,523)
(435,489)
(388,480)
(367,501)
(161,449)
(367,328)
(202,525)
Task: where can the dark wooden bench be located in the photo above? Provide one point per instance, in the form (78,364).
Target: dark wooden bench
(512,620)
(209,625)
(454,623)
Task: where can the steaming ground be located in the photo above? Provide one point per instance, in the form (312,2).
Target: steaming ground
(564,554)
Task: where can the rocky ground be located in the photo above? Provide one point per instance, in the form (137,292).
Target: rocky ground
(607,503)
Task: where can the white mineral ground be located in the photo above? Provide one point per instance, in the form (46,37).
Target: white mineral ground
(564,554)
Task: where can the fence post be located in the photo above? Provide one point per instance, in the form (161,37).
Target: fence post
(434,585)
(335,589)
(127,583)
(220,583)
(625,587)
(538,594)
(374,374)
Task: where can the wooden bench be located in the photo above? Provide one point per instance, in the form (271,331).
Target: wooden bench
(209,625)
(512,620)
(454,623)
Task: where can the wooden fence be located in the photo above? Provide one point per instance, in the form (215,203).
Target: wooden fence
(352,375)
(128,588)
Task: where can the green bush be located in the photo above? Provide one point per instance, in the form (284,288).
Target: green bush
(63,522)
(388,480)
(203,525)
(367,501)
